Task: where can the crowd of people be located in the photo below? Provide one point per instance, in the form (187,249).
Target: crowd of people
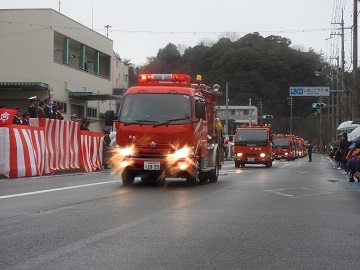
(347,158)
(38,109)
(44,109)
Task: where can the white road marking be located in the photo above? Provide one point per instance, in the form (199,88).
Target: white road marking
(55,189)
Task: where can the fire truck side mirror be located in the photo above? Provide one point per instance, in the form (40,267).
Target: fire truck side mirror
(200,110)
(109,118)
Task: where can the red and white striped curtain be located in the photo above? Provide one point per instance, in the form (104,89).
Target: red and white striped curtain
(46,146)
(22,151)
(62,140)
(92,147)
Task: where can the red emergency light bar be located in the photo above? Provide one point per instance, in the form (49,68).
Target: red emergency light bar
(163,78)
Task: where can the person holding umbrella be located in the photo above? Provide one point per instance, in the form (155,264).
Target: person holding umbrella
(352,160)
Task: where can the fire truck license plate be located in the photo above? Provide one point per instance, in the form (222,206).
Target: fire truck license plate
(251,159)
(151,165)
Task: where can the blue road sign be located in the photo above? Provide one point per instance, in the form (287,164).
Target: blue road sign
(304,91)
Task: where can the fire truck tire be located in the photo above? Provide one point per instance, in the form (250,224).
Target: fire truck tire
(203,178)
(237,164)
(193,179)
(214,174)
(269,164)
(127,177)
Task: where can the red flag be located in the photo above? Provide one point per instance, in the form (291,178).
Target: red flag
(7,116)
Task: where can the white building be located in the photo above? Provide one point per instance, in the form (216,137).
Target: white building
(237,115)
(46,54)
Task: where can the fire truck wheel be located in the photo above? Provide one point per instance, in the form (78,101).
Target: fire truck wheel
(214,174)
(203,178)
(237,164)
(194,178)
(269,164)
(127,177)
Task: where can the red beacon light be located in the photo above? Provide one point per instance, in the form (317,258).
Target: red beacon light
(143,78)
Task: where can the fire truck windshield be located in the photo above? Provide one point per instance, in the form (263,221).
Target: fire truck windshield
(149,108)
(251,136)
(281,143)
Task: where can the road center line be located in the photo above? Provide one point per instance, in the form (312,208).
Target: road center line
(55,189)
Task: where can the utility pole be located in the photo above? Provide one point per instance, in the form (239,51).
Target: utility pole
(107,29)
(340,74)
(59,5)
(355,90)
(346,107)
(227,109)
(261,111)
(291,103)
(250,114)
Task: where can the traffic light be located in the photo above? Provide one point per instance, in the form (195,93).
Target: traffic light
(318,105)
(268,116)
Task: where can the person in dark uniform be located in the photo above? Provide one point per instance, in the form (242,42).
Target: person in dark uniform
(26,117)
(55,110)
(85,124)
(60,112)
(309,149)
(17,120)
(41,112)
(47,110)
(343,146)
(32,109)
(106,148)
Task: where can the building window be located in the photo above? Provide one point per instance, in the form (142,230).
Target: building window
(125,77)
(246,112)
(91,112)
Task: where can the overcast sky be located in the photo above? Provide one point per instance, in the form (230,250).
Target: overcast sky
(139,28)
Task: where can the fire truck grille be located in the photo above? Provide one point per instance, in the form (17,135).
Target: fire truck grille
(160,151)
(251,155)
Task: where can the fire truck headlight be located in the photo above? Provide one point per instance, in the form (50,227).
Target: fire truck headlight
(183,165)
(286,154)
(262,155)
(184,152)
(239,154)
(124,164)
(126,151)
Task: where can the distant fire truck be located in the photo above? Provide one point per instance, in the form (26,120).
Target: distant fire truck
(166,128)
(253,145)
(284,147)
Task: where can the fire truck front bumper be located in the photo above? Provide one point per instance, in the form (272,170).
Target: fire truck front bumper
(175,168)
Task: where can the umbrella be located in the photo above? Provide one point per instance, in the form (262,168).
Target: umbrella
(353,145)
(354,135)
(347,125)
(356,121)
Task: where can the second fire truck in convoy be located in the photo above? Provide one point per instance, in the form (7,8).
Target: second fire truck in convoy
(253,145)
(301,147)
(166,128)
(284,147)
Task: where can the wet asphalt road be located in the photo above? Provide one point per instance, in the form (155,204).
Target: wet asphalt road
(295,215)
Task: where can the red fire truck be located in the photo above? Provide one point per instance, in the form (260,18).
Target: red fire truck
(301,147)
(253,145)
(166,128)
(284,147)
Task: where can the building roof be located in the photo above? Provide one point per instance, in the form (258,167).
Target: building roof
(31,86)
